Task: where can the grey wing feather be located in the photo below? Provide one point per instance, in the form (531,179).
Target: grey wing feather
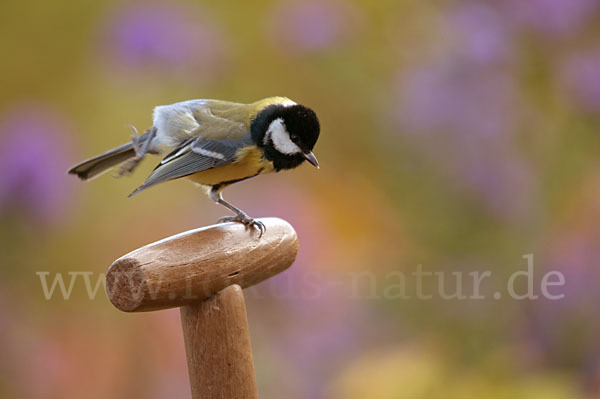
(194,156)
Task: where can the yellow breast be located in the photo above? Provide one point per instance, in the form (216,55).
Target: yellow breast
(249,162)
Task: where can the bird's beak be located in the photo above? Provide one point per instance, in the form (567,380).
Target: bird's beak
(310,157)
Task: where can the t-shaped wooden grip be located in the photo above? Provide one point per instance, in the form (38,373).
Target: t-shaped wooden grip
(202,271)
(192,266)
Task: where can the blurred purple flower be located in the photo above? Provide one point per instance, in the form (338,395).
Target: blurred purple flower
(504,182)
(555,325)
(463,116)
(470,91)
(580,76)
(481,34)
(164,36)
(313,26)
(578,259)
(462,110)
(34,157)
(552,17)
(470,102)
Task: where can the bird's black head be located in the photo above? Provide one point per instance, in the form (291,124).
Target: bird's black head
(286,134)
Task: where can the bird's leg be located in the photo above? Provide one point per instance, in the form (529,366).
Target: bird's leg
(240,216)
(141,149)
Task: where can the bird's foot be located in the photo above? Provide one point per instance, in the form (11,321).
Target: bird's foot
(246,221)
(129,166)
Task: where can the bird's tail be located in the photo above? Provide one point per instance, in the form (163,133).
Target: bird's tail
(94,167)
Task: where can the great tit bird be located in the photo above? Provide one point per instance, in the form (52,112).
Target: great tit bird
(216,143)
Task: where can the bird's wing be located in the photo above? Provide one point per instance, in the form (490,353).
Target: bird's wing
(193,156)
(210,119)
(220,120)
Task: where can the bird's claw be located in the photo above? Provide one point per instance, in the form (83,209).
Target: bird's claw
(128,167)
(246,221)
(135,142)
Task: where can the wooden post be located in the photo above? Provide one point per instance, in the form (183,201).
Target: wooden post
(202,271)
(219,323)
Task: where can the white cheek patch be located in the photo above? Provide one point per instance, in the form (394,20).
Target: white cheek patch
(281,138)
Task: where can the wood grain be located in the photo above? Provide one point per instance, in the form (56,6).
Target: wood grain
(194,265)
(217,344)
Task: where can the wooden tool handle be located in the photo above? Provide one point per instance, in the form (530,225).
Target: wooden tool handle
(217,344)
(192,266)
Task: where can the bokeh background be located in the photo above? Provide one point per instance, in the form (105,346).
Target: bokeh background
(456,135)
